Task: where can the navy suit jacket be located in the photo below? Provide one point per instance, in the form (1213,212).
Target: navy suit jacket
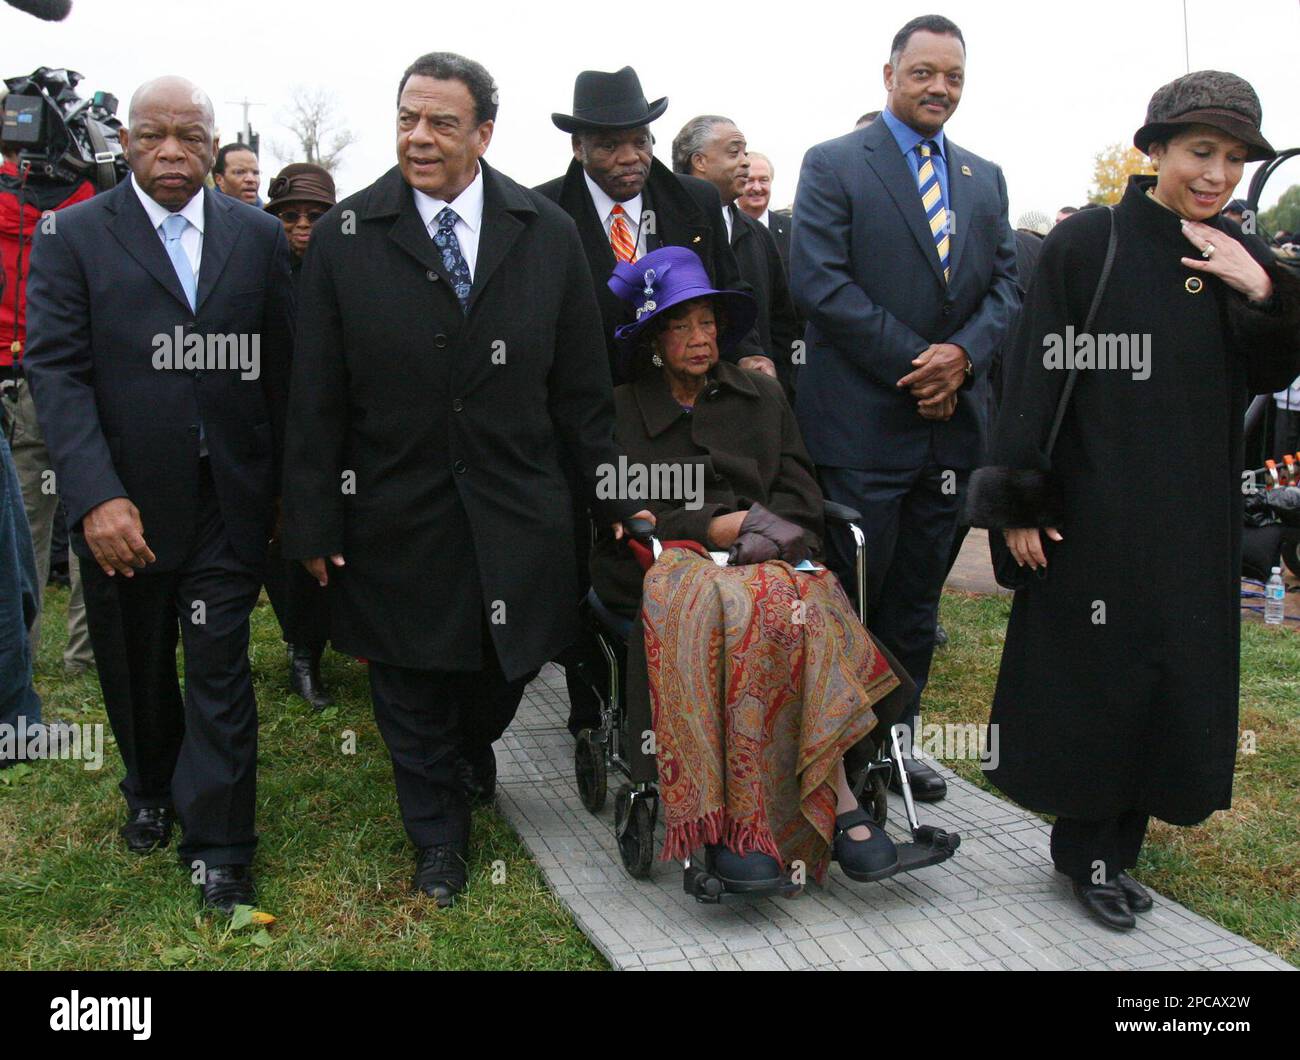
(865,273)
(103,306)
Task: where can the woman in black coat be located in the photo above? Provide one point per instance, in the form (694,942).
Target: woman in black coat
(1117,696)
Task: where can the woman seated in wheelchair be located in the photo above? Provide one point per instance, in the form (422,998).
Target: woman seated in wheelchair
(755,678)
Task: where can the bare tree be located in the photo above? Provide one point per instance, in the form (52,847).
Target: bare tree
(314,120)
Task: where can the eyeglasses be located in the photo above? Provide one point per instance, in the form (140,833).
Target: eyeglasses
(294,216)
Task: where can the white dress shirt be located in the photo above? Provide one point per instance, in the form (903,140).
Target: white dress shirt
(605,211)
(766,219)
(192,211)
(727,207)
(469,211)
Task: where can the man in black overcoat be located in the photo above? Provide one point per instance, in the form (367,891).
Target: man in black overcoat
(160,326)
(451,348)
(627,203)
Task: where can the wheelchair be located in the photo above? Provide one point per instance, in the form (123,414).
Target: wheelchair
(600,752)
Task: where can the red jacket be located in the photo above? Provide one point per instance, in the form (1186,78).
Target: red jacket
(13,300)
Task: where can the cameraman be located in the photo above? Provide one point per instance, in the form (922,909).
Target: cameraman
(23,201)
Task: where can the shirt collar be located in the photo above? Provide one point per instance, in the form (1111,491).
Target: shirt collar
(468,204)
(907,138)
(192,211)
(604,204)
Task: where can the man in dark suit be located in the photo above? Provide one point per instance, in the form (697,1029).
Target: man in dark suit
(903,262)
(160,327)
(756,200)
(450,349)
(627,203)
(614,167)
(712,148)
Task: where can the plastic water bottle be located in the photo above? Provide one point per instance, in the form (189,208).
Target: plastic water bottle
(1274,599)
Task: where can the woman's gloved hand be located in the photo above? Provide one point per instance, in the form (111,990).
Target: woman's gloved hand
(765,536)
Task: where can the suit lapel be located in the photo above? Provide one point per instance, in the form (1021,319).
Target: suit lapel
(576,201)
(884,157)
(677,221)
(958,197)
(130,226)
(409,232)
(220,233)
(497,233)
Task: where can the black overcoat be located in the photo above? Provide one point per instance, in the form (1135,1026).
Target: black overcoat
(761,268)
(687,213)
(424,445)
(1119,679)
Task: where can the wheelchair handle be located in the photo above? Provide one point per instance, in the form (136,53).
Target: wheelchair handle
(840,513)
(641,529)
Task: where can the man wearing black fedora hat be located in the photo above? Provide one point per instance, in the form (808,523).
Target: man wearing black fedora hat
(627,203)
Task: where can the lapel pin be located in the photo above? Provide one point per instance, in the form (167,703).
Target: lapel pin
(696,239)
(965,171)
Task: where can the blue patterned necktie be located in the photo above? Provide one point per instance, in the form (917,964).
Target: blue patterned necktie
(444,238)
(927,182)
(173,228)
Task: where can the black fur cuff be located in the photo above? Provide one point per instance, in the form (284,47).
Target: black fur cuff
(1004,498)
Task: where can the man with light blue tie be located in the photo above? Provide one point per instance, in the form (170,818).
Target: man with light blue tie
(902,260)
(160,330)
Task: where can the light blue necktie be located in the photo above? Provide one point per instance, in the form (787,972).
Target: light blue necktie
(173,228)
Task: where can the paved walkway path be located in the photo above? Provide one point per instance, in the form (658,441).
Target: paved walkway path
(996,903)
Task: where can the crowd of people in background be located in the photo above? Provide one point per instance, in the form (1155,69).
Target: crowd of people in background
(447,359)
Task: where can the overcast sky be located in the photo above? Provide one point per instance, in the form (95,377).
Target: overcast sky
(1047,86)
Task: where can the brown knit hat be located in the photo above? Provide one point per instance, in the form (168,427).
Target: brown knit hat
(1206,97)
(300,182)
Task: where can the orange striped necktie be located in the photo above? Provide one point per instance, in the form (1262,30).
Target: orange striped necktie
(620,236)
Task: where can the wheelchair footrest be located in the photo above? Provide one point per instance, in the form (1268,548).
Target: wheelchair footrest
(930,846)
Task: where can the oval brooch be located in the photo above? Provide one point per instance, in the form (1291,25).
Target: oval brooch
(1194,285)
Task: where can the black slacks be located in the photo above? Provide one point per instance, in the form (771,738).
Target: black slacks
(426,717)
(908,519)
(301,606)
(196,754)
(1096,851)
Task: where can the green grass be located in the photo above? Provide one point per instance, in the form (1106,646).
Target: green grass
(333,864)
(1241,868)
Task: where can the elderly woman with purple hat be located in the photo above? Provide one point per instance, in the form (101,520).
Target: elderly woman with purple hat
(299,196)
(756,677)
(1117,482)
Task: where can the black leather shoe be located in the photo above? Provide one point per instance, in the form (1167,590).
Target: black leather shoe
(1105,902)
(927,785)
(440,872)
(304,676)
(226,886)
(1139,899)
(754,871)
(864,860)
(478,774)
(147,829)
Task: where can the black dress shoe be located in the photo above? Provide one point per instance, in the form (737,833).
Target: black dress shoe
(304,676)
(864,860)
(440,872)
(1139,899)
(478,774)
(147,829)
(226,886)
(926,784)
(1105,902)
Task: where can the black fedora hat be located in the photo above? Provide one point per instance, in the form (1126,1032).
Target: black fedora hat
(609,101)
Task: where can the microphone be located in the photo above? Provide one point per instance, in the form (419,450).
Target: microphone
(49,10)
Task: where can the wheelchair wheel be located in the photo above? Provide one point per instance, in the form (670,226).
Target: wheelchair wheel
(634,828)
(876,797)
(589,770)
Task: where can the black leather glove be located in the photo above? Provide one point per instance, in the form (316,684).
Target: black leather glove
(764,536)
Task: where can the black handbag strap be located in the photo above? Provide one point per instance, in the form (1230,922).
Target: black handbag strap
(1111,245)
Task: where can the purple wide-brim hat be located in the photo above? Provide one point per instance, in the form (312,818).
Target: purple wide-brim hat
(670,276)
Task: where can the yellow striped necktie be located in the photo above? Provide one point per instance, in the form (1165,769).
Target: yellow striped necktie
(620,236)
(936,215)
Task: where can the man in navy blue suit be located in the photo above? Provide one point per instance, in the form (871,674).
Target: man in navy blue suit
(160,330)
(903,261)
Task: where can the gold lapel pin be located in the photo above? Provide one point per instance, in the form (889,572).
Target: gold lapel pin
(965,171)
(1194,285)
(696,239)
